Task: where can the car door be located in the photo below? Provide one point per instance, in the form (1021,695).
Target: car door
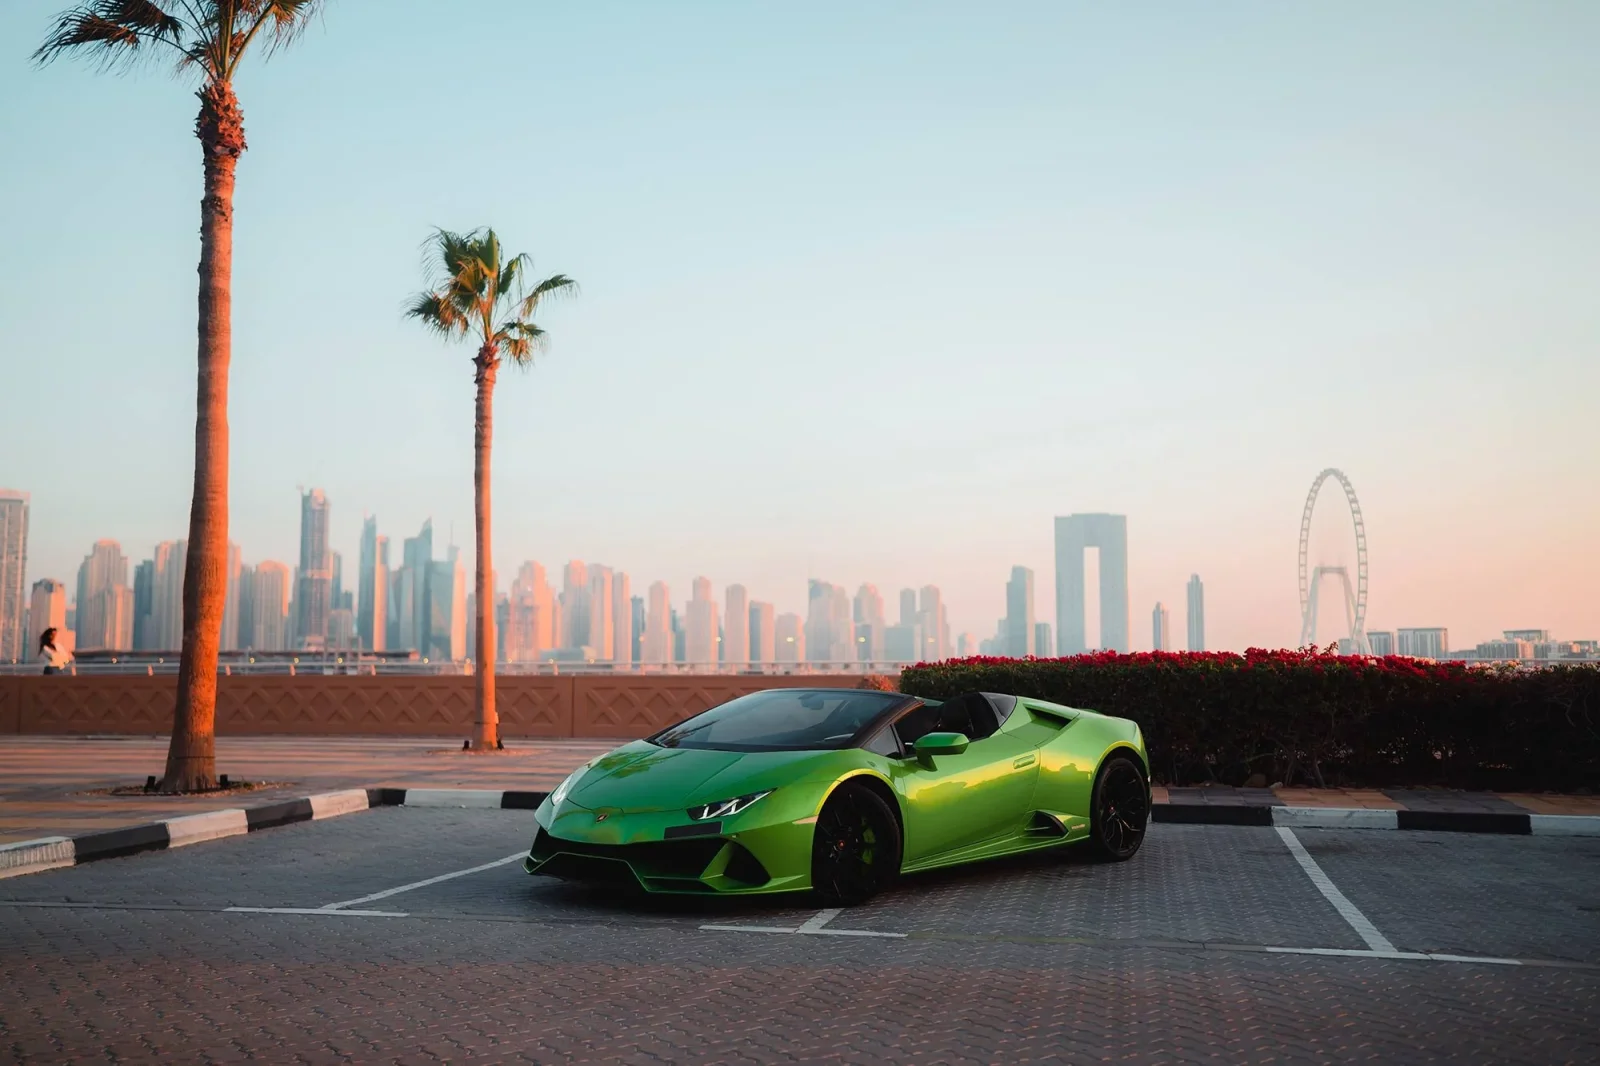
(960,801)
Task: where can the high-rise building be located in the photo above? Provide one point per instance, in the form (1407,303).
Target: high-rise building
(622,646)
(144,600)
(789,638)
(447,608)
(935,626)
(1427,643)
(166,596)
(410,608)
(14,642)
(658,626)
(372,586)
(269,606)
(247,607)
(763,637)
(341,629)
(1043,646)
(1160,628)
(230,605)
(679,638)
(908,607)
(1019,613)
(819,620)
(869,623)
(636,604)
(1196,630)
(314,591)
(1074,535)
(1381,641)
(47,609)
(736,626)
(903,644)
(531,616)
(602,630)
(105,603)
(967,645)
(700,625)
(574,605)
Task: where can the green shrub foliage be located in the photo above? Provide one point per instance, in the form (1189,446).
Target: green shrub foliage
(1312,717)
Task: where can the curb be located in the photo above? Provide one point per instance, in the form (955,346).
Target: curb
(50,853)
(1501,822)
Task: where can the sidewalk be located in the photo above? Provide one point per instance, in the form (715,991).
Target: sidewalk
(43,780)
(47,783)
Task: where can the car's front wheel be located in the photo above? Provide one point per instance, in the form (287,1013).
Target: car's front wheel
(1120,809)
(855,852)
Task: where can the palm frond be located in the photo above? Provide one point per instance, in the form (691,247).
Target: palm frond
(283,21)
(115,32)
(556,284)
(438,313)
(519,341)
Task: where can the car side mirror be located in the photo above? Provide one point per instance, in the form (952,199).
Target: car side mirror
(934,744)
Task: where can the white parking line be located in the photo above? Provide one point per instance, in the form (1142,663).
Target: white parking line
(386,893)
(812,926)
(315,910)
(1347,910)
(818,920)
(1355,953)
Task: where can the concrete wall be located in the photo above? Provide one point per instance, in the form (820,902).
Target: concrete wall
(621,707)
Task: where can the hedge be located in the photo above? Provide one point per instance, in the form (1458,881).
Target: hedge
(1313,717)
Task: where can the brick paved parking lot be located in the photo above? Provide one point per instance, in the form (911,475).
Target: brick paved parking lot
(1168,958)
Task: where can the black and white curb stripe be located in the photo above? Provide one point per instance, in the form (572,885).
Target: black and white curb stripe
(1510,822)
(49,853)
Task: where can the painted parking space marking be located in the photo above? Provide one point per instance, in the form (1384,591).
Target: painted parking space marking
(812,926)
(1364,928)
(1356,953)
(315,910)
(386,893)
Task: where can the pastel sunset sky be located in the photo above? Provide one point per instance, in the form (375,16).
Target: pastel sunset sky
(870,293)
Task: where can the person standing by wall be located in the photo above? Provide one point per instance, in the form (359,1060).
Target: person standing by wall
(55,659)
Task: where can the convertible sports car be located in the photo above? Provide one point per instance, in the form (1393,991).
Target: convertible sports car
(841,790)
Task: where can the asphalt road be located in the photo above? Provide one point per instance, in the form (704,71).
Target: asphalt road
(1215,944)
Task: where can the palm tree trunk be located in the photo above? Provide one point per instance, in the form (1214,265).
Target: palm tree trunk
(488,724)
(191,758)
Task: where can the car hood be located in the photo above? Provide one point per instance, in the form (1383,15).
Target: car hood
(641,777)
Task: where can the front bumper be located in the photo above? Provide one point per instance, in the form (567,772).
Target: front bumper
(651,850)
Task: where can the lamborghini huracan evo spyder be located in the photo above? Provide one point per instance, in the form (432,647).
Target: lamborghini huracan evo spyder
(841,790)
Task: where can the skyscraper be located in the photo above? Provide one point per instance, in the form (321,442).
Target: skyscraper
(602,630)
(819,620)
(47,609)
(935,626)
(789,638)
(1160,629)
(1195,634)
(621,620)
(658,626)
(14,643)
(1075,534)
(700,625)
(166,596)
(574,605)
(269,606)
(372,586)
(144,599)
(410,609)
(636,605)
(247,607)
(531,616)
(870,623)
(763,637)
(314,596)
(105,603)
(736,626)
(908,607)
(1043,646)
(1019,613)
(230,606)
(447,608)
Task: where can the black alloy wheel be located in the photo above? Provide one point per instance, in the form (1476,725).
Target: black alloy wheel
(1120,810)
(855,850)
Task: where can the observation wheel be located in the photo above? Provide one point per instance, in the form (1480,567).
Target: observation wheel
(1310,579)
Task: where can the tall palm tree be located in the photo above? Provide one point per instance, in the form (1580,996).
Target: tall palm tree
(206,39)
(474,293)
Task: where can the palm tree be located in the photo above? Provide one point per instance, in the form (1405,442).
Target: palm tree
(476,294)
(207,39)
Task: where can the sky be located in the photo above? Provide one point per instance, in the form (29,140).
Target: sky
(868,293)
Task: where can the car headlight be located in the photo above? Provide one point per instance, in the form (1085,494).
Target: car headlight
(566,786)
(725,808)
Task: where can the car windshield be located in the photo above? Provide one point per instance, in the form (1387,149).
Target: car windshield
(782,720)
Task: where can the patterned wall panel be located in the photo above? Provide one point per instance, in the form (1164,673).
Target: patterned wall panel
(108,704)
(623,707)
(632,706)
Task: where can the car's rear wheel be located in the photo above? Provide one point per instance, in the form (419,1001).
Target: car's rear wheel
(1120,809)
(855,851)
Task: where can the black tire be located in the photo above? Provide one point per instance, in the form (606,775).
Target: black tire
(855,847)
(1119,810)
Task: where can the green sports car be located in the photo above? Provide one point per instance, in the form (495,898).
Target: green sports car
(841,790)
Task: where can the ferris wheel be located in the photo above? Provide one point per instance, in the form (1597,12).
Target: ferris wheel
(1311,577)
